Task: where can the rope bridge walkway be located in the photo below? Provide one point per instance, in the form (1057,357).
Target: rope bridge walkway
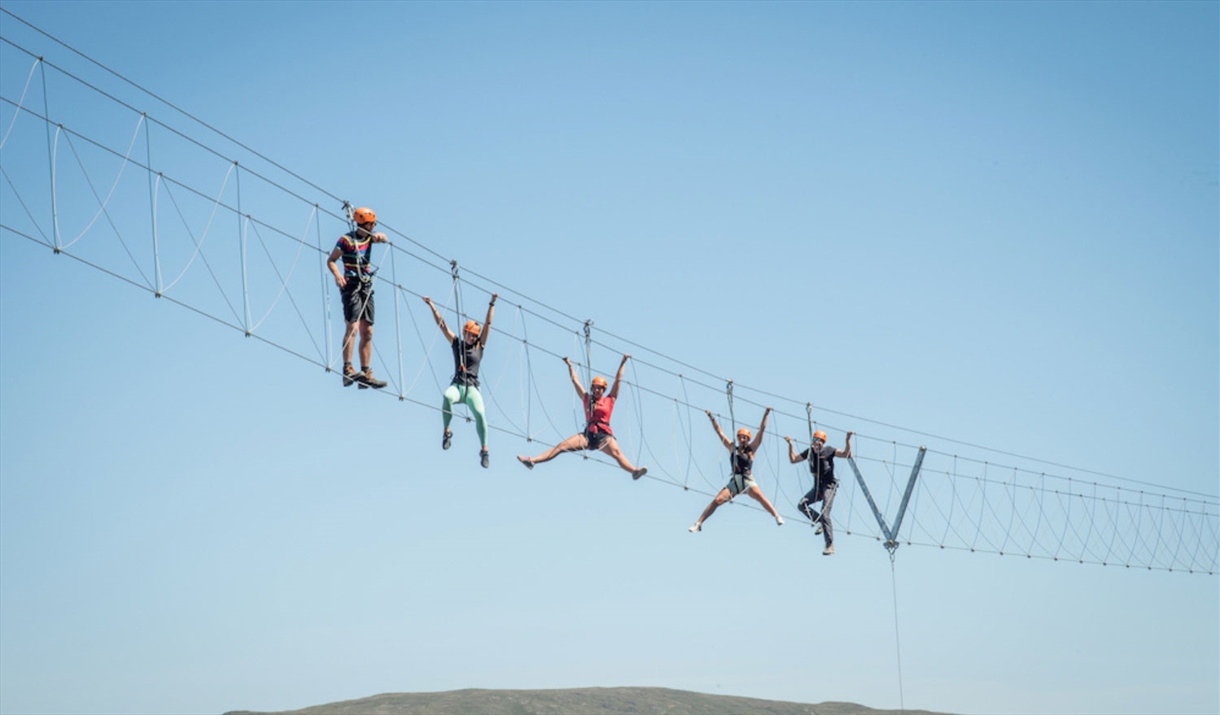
(191,216)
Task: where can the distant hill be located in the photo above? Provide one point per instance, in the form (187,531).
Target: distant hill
(577,701)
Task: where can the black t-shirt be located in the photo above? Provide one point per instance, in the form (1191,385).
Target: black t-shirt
(466,362)
(822,466)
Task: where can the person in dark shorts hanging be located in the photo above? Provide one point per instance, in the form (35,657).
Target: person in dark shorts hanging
(599,405)
(742,480)
(355,284)
(464,388)
(821,458)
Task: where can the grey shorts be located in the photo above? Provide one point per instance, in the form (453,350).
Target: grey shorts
(739,483)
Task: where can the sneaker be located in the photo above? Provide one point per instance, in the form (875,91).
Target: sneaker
(447,439)
(639,472)
(695,528)
(830,550)
(484,458)
(367,380)
(817,528)
(349,376)
(529,463)
(779,521)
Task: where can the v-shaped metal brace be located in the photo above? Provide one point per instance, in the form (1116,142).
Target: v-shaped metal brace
(891,534)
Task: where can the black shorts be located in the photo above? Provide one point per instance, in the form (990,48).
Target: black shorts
(357,300)
(596,439)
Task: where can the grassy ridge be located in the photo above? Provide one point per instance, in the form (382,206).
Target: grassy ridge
(577,701)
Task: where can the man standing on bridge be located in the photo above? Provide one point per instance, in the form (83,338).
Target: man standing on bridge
(355,283)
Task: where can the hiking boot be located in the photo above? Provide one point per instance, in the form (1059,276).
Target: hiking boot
(830,550)
(639,472)
(484,458)
(447,439)
(349,376)
(367,380)
(529,463)
(695,528)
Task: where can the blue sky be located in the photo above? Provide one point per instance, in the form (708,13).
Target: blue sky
(995,223)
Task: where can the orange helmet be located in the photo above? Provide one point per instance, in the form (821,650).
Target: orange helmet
(745,432)
(471,327)
(599,380)
(364,215)
(820,435)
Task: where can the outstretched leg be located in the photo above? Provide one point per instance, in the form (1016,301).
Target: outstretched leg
(762,499)
(610,447)
(720,499)
(572,444)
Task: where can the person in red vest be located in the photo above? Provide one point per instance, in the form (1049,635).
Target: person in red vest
(599,405)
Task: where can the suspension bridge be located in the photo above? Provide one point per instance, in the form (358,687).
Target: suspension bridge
(234,237)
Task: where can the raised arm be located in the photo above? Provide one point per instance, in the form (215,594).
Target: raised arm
(580,389)
(761,428)
(618,376)
(792,455)
(845,453)
(436,315)
(491,310)
(719,432)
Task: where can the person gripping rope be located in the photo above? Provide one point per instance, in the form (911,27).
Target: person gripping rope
(355,284)
(599,405)
(464,388)
(821,458)
(742,479)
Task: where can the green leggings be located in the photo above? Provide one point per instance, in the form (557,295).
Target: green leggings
(469,396)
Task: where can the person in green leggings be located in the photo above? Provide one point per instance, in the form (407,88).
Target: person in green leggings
(464,388)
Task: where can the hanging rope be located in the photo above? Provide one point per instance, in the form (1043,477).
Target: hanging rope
(20,102)
(589,350)
(204,236)
(457,314)
(102,203)
(728,389)
(326,319)
(897,642)
(397,324)
(809,455)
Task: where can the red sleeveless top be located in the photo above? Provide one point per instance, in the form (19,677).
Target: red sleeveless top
(598,414)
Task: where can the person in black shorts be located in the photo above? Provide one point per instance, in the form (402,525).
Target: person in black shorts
(355,284)
(821,458)
(599,406)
